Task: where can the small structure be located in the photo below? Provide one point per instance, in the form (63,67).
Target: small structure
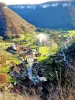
(12,49)
(14,46)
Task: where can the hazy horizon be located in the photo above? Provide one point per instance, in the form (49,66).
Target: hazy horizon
(28,1)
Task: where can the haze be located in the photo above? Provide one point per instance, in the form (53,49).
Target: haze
(27,1)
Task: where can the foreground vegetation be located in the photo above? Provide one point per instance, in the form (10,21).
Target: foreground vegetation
(63,87)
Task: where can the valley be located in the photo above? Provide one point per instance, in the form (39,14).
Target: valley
(37,60)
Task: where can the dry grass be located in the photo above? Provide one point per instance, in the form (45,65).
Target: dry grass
(55,94)
(11,96)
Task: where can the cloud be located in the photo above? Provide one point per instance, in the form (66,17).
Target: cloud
(27,1)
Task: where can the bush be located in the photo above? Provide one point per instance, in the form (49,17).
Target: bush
(3,78)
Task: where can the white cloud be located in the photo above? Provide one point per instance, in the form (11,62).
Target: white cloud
(26,1)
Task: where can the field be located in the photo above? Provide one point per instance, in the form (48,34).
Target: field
(6,58)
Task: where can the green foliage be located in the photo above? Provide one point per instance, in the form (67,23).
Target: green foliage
(55,39)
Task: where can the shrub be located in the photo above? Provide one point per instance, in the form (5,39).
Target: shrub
(3,78)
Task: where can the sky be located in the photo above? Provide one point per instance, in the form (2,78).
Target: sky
(26,1)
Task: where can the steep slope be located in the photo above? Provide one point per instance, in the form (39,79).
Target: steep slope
(11,23)
(52,15)
(73,15)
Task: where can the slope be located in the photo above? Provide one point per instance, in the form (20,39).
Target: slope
(12,24)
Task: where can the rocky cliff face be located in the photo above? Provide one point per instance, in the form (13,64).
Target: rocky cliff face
(52,15)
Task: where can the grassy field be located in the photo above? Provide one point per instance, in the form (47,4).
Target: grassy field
(6,58)
(70,33)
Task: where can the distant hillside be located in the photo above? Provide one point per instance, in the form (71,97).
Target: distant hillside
(52,15)
(12,24)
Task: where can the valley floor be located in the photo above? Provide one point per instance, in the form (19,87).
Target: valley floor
(5,61)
